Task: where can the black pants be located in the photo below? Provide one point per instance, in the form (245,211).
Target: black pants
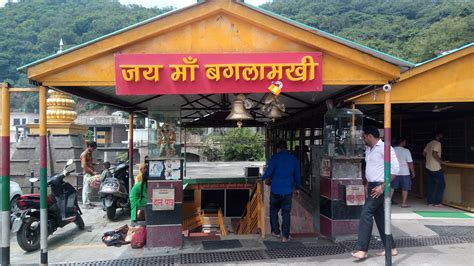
(372,210)
(282,202)
(435,178)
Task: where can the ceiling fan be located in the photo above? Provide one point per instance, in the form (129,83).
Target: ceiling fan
(437,109)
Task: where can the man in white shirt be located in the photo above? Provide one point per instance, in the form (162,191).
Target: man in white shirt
(432,153)
(402,179)
(374,207)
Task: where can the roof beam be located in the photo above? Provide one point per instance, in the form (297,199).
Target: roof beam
(99,98)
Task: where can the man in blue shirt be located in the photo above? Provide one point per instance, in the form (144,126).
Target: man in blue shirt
(284,172)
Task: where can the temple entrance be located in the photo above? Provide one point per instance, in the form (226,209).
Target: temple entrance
(222,78)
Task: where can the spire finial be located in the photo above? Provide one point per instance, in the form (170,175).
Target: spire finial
(61,46)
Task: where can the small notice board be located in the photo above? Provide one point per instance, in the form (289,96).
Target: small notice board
(163,199)
(355,195)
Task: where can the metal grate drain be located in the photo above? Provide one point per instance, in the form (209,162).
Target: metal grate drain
(458,231)
(157,260)
(305,252)
(290,252)
(229,256)
(410,242)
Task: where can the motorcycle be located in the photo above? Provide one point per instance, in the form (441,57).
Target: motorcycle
(114,190)
(62,209)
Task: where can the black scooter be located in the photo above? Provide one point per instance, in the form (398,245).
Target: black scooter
(114,191)
(62,209)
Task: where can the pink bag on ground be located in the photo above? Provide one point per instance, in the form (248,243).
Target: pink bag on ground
(139,238)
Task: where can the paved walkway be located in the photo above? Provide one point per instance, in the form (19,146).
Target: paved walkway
(69,245)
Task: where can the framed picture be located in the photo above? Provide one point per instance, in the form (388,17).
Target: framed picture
(165,169)
(156,169)
(172,169)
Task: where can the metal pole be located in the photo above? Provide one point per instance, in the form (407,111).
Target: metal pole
(387,179)
(185,150)
(130,151)
(5,177)
(32,184)
(43,177)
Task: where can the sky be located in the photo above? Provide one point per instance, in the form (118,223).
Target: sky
(163,3)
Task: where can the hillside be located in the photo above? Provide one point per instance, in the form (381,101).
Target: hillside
(414,30)
(31,30)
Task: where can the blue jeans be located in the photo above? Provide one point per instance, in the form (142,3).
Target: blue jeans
(372,210)
(282,202)
(435,177)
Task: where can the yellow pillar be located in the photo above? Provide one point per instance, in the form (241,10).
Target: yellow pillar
(43,176)
(5,177)
(387,175)
(130,150)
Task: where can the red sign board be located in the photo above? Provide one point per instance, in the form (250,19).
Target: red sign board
(216,73)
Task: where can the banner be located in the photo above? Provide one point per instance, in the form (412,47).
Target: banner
(156,74)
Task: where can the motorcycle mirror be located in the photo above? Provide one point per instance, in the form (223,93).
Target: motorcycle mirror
(33,179)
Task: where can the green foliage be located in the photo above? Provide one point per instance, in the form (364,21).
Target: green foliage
(212,149)
(31,30)
(242,144)
(237,144)
(412,30)
(89,135)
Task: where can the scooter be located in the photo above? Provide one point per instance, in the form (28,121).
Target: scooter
(63,209)
(114,191)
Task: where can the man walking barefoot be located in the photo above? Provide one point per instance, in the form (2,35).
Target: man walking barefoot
(432,153)
(284,172)
(402,179)
(373,207)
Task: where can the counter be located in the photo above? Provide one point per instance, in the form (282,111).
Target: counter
(459,191)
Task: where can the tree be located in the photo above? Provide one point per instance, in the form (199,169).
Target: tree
(31,30)
(242,144)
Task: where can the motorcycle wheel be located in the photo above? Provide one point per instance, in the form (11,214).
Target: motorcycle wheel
(29,239)
(79,222)
(111,212)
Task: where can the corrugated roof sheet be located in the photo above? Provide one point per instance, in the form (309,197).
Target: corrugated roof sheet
(446,53)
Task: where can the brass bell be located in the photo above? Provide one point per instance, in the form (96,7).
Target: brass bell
(238,111)
(274,113)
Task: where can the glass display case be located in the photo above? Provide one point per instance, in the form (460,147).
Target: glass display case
(164,133)
(343,133)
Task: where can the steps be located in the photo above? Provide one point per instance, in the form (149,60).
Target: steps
(206,223)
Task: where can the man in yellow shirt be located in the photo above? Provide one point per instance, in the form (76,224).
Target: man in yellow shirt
(432,153)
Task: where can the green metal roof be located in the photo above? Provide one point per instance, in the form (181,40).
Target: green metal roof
(446,54)
(386,57)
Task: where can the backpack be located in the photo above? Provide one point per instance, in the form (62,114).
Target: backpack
(116,237)
(139,238)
